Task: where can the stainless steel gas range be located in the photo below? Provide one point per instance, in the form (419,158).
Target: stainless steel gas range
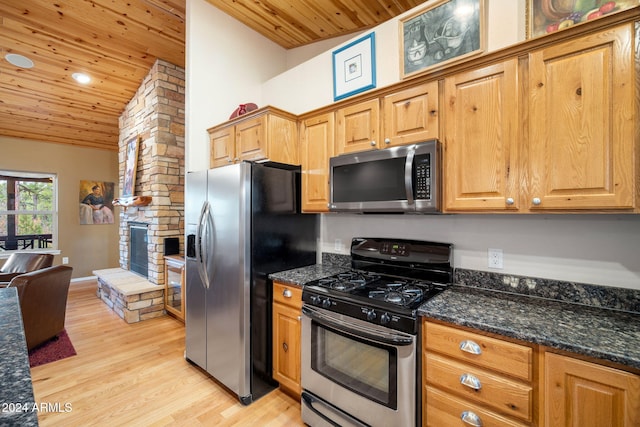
(360,345)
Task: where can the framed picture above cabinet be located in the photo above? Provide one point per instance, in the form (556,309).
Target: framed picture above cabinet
(446,31)
(549,16)
(354,67)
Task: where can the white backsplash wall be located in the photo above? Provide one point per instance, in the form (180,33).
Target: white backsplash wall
(594,249)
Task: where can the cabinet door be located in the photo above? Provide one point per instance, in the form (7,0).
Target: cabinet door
(251,139)
(222,147)
(582,123)
(358,127)
(583,394)
(286,347)
(316,147)
(411,115)
(480,139)
(282,140)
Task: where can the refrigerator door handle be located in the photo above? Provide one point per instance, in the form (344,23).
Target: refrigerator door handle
(201,250)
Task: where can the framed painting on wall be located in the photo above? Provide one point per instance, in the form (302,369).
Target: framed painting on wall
(549,16)
(354,67)
(96,202)
(130,166)
(446,31)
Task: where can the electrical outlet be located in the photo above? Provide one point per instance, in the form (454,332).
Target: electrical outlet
(495,258)
(337,245)
(65,260)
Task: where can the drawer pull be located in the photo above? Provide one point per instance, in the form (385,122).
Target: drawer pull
(470,347)
(471,381)
(287,293)
(471,418)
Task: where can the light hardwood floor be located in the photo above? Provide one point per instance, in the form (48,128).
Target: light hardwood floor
(136,375)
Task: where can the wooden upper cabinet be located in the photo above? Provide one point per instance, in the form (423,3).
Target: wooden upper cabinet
(251,139)
(222,146)
(411,115)
(584,394)
(316,147)
(582,115)
(481,114)
(266,133)
(403,117)
(357,127)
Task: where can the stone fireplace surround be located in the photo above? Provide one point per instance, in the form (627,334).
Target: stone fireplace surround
(156,115)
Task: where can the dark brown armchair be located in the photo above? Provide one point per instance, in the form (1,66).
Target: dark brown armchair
(20,263)
(43,302)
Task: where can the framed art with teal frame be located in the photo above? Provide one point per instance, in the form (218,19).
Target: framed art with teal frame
(354,67)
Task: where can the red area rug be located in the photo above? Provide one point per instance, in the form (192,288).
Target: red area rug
(56,349)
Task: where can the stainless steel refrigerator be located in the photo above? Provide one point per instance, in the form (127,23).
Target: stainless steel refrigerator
(243,222)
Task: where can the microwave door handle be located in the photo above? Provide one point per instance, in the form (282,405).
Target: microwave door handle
(408,174)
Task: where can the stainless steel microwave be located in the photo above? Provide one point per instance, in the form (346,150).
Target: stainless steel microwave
(401,179)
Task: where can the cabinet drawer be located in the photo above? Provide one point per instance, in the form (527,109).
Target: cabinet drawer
(290,295)
(502,356)
(443,409)
(504,395)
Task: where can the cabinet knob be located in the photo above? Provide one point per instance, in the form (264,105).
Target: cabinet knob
(237,159)
(285,347)
(229,160)
(510,201)
(471,418)
(471,381)
(387,141)
(373,143)
(536,201)
(470,347)
(287,293)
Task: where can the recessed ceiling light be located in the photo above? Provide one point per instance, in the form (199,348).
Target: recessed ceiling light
(18,60)
(81,78)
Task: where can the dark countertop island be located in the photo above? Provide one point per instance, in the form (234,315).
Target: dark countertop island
(16,391)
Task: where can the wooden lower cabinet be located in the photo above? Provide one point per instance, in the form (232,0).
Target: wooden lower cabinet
(473,379)
(444,409)
(287,306)
(478,379)
(585,394)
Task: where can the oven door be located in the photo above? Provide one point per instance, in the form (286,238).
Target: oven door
(353,369)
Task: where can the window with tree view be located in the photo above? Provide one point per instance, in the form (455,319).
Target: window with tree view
(28,219)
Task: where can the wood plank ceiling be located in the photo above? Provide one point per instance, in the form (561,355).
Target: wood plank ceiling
(117,41)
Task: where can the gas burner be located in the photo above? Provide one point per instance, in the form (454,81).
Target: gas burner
(394,297)
(348,281)
(398,292)
(346,286)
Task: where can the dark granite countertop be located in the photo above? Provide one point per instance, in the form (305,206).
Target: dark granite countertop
(16,390)
(605,334)
(302,275)
(596,321)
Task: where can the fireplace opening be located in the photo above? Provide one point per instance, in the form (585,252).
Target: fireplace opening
(138,251)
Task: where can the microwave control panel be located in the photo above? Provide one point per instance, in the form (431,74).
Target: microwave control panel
(422,177)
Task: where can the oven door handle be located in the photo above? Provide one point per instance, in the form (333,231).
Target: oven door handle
(376,335)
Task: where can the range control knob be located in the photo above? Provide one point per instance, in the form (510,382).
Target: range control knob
(326,302)
(371,315)
(314,299)
(385,318)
